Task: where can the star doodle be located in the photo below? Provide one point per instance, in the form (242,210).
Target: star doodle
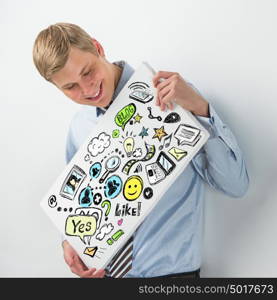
(143,132)
(137,118)
(159,133)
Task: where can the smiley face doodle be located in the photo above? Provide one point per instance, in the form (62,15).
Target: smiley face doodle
(133,188)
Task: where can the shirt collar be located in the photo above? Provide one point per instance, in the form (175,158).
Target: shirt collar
(125,75)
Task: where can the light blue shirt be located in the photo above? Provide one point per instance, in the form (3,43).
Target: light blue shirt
(170,238)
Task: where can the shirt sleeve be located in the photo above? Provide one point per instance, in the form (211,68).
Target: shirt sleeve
(220,161)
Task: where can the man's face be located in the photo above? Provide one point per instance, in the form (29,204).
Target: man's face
(86,78)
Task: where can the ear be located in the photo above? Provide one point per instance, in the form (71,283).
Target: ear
(98,47)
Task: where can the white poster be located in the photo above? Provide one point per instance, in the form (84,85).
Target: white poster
(132,156)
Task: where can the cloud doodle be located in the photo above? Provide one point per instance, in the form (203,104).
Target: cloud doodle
(98,144)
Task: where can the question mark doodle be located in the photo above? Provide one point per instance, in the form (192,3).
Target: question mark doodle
(108,204)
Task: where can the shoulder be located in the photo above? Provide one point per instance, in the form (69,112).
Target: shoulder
(81,125)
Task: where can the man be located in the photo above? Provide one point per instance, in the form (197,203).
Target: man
(168,242)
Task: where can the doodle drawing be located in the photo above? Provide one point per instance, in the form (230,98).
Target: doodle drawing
(158,170)
(72,182)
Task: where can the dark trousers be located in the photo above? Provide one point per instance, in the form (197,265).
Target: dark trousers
(193,274)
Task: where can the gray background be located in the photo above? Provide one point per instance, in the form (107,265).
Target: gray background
(227,49)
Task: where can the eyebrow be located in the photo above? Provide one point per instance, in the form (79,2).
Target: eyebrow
(83,69)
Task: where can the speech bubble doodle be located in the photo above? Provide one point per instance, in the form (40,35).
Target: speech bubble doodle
(81,226)
(187,135)
(98,144)
(124,115)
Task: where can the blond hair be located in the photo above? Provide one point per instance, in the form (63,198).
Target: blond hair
(53,44)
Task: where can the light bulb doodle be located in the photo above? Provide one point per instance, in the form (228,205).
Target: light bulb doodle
(128,145)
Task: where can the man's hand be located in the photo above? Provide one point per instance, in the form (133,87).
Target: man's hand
(77,266)
(171,87)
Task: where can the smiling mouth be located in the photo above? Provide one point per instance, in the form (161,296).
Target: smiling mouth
(97,95)
(132,193)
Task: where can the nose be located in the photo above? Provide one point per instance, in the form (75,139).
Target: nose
(87,88)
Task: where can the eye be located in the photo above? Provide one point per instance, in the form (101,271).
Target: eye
(87,73)
(70,87)
(129,186)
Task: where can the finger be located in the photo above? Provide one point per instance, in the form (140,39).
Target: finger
(88,273)
(163,83)
(157,100)
(160,86)
(77,266)
(162,93)
(162,106)
(170,105)
(99,273)
(168,99)
(161,74)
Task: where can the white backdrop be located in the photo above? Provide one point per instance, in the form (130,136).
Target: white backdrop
(226,48)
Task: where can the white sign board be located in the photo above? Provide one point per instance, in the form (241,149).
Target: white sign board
(132,156)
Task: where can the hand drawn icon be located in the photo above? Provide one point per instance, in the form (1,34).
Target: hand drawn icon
(113,187)
(90,251)
(150,116)
(128,145)
(97,198)
(98,144)
(187,135)
(95,170)
(115,237)
(140,92)
(72,182)
(143,132)
(52,201)
(137,118)
(150,152)
(91,211)
(124,115)
(148,193)
(104,230)
(178,154)
(112,164)
(86,197)
(137,153)
(173,117)
(81,226)
(138,168)
(133,188)
(115,133)
(108,204)
(158,170)
(166,143)
(159,133)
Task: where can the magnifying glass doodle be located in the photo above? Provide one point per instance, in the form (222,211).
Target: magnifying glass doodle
(111,165)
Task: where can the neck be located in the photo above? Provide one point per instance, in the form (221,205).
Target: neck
(117,72)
